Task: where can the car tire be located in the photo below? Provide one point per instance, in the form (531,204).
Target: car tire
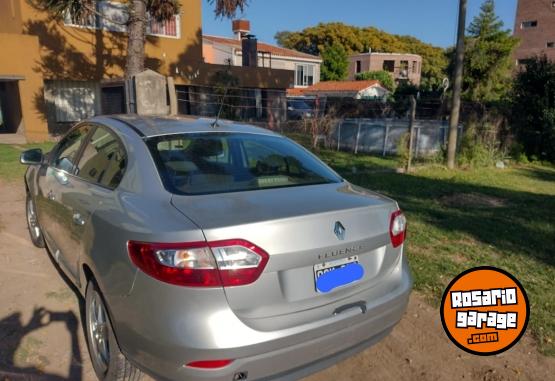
(33,226)
(108,362)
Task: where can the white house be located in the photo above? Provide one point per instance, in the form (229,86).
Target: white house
(229,51)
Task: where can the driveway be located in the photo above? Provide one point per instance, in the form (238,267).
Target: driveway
(41,336)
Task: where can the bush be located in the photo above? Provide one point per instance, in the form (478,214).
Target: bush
(476,151)
(403,150)
(517,154)
(381,75)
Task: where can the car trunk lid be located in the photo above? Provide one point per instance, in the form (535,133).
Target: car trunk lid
(297,228)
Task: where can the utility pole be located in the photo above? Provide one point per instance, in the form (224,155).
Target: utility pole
(411,130)
(457,88)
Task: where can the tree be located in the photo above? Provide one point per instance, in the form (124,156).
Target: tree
(354,39)
(533,108)
(488,59)
(335,63)
(383,76)
(138,13)
(457,88)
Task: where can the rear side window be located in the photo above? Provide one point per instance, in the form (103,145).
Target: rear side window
(228,162)
(104,159)
(67,150)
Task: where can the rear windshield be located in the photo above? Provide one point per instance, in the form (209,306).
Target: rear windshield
(227,162)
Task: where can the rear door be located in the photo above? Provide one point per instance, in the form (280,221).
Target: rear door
(97,173)
(57,186)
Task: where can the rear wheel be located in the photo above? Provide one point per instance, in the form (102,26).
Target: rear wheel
(108,362)
(32,223)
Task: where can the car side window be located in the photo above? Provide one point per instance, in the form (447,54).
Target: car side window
(67,150)
(104,159)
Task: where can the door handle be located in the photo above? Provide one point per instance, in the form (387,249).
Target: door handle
(51,196)
(78,220)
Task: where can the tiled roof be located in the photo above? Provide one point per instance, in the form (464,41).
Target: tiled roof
(342,86)
(262,46)
(295,92)
(333,87)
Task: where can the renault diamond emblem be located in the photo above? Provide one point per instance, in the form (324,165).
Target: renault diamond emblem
(339,231)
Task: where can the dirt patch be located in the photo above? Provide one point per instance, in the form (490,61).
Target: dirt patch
(41,337)
(473,200)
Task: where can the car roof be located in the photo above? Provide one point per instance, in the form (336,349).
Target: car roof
(151,126)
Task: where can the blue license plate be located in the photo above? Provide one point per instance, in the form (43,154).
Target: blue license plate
(331,275)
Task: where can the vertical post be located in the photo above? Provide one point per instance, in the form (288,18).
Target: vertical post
(339,135)
(417,144)
(173,95)
(385,139)
(358,137)
(411,130)
(457,88)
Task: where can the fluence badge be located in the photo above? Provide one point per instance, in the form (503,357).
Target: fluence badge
(485,311)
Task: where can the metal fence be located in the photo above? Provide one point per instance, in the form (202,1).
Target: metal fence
(382,136)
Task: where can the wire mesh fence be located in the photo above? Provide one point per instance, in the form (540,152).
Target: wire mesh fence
(357,125)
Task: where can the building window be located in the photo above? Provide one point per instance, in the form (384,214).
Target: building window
(389,65)
(529,24)
(359,67)
(551,44)
(404,68)
(168,28)
(524,62)
(71,101)
(112,16)
(304,75)
(415,67)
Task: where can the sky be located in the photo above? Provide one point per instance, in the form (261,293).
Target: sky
(432,21)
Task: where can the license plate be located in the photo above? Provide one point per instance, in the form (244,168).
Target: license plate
(333,274)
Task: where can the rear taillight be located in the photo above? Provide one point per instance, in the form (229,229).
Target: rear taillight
(397,228)
(200,264)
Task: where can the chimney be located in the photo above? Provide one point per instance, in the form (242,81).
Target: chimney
(241,28)
(249,45)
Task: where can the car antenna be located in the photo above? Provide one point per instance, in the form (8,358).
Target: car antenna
(216,124)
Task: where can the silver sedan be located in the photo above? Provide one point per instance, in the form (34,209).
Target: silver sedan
(209,252)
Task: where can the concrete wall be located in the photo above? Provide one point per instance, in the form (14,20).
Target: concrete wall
(18,54)
(534,40)
(10,16)
(382,136)
(375,62)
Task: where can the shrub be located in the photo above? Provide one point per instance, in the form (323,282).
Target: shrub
(476,150)
(381,75)
(517,154)
(403,150)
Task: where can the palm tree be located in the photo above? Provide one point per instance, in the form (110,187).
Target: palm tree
(138,13)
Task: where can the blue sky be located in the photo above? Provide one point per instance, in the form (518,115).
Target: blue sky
(433,21)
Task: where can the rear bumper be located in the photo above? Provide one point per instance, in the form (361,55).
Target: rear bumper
(285,355)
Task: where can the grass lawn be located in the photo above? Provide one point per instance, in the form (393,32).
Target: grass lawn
(463,219)
(10,169)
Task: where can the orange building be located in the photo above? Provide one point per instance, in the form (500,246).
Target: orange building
(54,73)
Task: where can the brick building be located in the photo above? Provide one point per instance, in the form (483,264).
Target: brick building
(535,26)
(403,67)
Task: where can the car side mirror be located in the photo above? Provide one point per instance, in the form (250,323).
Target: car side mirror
(32,157)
